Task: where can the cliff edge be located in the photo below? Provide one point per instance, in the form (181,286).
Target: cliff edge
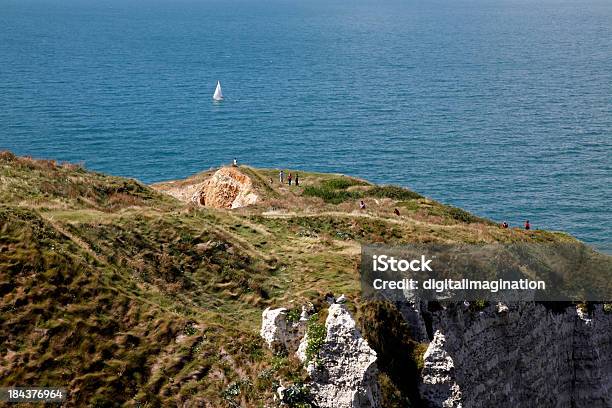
(136,295)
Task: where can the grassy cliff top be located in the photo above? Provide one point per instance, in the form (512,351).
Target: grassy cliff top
(125,295)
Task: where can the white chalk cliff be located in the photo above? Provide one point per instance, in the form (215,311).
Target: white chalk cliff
(522,355)
(345,373)
(519,355)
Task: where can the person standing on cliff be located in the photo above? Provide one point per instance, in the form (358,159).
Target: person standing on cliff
(297,180)
(235,163)
(289,178)
(527,225)
(281,176)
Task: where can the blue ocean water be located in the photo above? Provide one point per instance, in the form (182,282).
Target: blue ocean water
(501,107)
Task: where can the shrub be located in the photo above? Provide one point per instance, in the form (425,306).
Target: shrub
(340,183)
(331,196)
(418,354)
(462,215)
(233,390)
(293,315)
(478,305)
(297,396)
(316,333)
(190,329)
(334,191)
(393,192)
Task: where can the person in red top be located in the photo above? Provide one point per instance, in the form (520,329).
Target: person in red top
(527,225)
(289,178)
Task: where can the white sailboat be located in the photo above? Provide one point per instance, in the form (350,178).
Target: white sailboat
(218,96)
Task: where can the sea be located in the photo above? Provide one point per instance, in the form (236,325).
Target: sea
(501,107)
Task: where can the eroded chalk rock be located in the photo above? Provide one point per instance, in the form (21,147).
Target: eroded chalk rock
(344,374)
(438,387)
(280,334)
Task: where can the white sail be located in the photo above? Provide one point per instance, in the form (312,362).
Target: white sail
(218,94)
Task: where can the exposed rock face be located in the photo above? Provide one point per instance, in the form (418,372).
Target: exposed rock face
(438,375)
(227,188)
(346,375)
(278,333)
(519,355)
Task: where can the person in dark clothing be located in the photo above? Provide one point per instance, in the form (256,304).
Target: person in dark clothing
(289,177)
(396,212)
(297,179)
(527,225)
(362,205)
(504,225)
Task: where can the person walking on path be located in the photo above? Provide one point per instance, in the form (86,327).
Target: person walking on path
(297,180)
(289,178)
(281,176)
(527,225)
(362,205)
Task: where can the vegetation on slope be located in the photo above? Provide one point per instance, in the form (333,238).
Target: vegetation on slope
(128,297)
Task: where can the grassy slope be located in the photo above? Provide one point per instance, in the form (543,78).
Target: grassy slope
(126,296)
